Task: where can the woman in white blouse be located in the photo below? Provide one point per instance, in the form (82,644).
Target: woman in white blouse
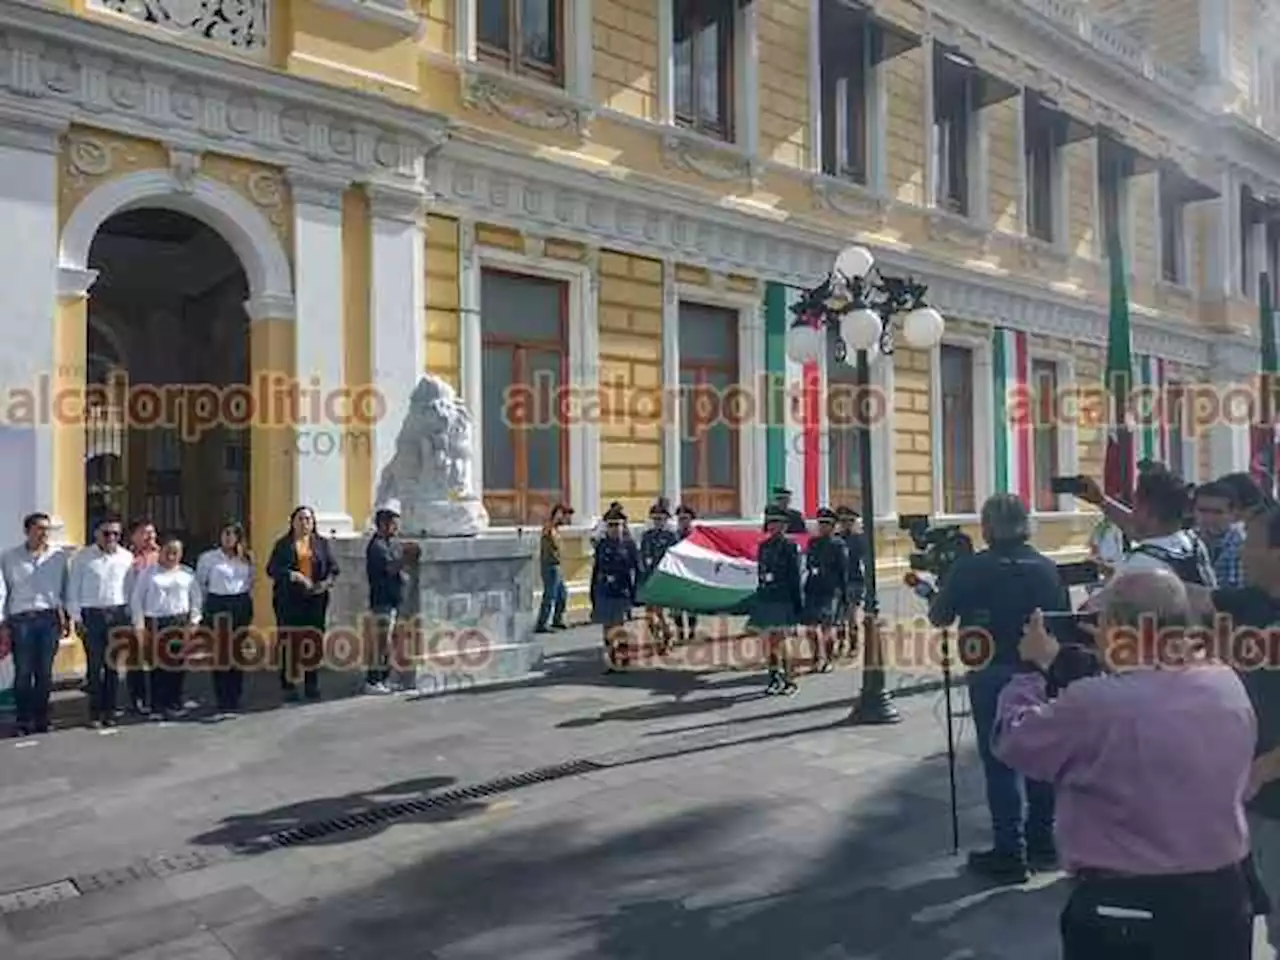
(225,577)
(166,603)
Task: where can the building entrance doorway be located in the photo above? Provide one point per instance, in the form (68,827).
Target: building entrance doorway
(168,346)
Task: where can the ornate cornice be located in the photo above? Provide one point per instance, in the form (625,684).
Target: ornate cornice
(479,183)
(59,68)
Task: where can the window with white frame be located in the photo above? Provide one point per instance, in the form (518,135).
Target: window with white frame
(1116,164)
(522,36)
(847,61)
(1043,136)
(524,325)
(710,445)
(958,415)
(955,83)
(704,47)
(1173,240)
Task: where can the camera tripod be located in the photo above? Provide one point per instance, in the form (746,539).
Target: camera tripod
(951,740)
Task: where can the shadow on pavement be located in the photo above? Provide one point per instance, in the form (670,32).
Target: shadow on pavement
(722,880)
(252,829)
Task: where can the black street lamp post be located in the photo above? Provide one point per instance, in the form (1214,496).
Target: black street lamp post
(861,305)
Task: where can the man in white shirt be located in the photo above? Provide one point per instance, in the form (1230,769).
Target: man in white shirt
(98,605)
(33,588)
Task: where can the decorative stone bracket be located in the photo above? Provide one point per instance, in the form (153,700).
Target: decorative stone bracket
(524,103)
(851,200)
(945,226)
(722,162)
(399,15)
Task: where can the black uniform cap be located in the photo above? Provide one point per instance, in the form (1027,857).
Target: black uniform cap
(846,513)
(660,509)
(684,511)
(781,492)
(774,512)
(827,515)
(615,514)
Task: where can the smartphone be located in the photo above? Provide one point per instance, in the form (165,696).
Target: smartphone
(1074,486)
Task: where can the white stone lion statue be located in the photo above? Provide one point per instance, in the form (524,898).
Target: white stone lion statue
(430,473)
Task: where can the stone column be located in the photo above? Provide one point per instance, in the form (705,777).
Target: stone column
(273,489)
(325,427)
(67,381)
(28,323)
(397,310)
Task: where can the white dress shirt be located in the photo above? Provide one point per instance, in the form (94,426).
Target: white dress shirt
(221,574)
(160,592)
(32,581)
(98,579)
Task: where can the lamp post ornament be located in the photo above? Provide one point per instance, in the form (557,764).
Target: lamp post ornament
(861,305)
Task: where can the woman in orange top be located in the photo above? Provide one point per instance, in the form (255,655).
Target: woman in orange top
(302,571)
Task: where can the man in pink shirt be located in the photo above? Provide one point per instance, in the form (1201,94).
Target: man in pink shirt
(1150,759)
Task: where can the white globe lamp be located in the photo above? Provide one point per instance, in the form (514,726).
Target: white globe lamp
(854,263)
(860,329)
(923,328)
(804,344)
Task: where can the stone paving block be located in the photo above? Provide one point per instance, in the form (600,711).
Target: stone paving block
(111,939)
(201,946)
(119,903)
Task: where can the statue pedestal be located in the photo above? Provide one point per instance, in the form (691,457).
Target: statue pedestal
(470,603)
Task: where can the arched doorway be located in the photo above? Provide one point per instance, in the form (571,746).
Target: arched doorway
(166,323)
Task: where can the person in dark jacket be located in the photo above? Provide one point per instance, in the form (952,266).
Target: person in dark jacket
(686,623)
(777,605)
(385,568)
(994,593)
(794,518)
(825,578)
(302,570)
(614,574)
(654,544)
(849,533)
(555,596)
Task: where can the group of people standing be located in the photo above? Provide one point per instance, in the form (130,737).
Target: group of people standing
(820,589)
(133,603)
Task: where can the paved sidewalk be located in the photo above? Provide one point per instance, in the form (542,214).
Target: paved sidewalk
(715,822)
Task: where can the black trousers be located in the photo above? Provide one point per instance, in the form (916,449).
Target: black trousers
(1186,917)
(300,627)
(168,641)
(228,615)
(106,638)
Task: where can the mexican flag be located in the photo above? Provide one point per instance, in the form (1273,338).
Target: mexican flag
(1263,454)
(1118,478)
(713,570)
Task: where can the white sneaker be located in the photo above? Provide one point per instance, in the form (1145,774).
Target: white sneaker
(376,689)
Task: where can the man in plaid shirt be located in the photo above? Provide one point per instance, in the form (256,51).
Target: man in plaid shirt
(1215,512)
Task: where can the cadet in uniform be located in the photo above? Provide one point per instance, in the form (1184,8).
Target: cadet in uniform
(654,543)
(686,623)
(850,534)
(776,606)
(794,518)
(826,577)
(613,587)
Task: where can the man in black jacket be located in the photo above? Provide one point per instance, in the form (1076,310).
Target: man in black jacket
(794,518)
(993,593)
(385,568)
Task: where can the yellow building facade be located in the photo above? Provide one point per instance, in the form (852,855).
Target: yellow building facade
(253,230)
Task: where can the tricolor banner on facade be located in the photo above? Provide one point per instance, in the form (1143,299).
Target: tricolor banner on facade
(1011,368)
(713,570)
(1263,437)
(1121,462)
(1153,415)
(794,439)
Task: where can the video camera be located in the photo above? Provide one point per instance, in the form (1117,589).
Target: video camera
(937,548)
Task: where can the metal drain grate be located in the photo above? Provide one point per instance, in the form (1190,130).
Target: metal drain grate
(33,897)
(295,836)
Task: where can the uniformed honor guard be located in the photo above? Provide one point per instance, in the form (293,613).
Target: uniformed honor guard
(776,607)
(613,588)
(794,518)
(825,561)
(686,623)
(849,533)
(654,543)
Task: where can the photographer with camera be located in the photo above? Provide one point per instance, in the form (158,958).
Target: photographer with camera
(995,591)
